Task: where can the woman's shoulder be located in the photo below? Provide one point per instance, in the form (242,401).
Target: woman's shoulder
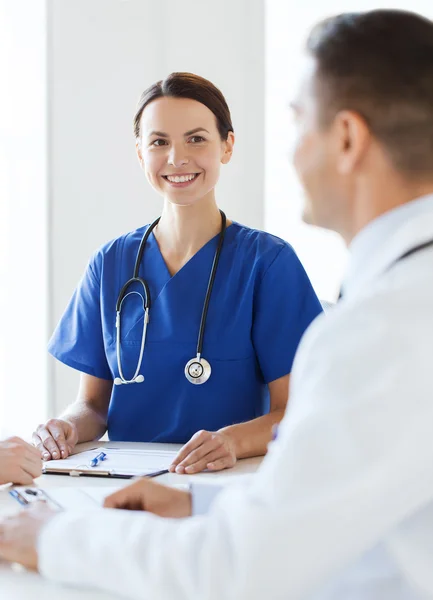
(259,244)
(111,250)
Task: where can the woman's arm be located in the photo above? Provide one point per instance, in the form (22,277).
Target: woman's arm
(252,438)
(82,421)
(216,450)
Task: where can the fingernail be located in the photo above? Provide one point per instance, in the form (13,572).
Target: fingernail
(63,453)
(189,469)
(46,455)
(55,454)
(180,469)
(210,466)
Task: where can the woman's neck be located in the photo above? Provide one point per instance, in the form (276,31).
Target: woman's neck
(183,230)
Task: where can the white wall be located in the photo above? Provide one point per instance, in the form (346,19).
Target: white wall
(23,215)
(103,53)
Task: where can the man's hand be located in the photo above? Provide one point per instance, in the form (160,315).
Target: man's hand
(212,450)
(56,439)
(20,462)
(19,534)
(147,495)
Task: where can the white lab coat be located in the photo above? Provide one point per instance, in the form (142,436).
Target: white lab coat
(342,507)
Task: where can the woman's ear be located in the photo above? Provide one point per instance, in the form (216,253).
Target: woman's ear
(228,148)
(139,154)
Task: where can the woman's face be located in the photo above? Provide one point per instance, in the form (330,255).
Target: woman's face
(181,150)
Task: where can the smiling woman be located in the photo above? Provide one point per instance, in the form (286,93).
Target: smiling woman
(184,330)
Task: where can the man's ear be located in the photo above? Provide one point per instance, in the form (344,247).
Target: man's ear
(353,139)
(228,148)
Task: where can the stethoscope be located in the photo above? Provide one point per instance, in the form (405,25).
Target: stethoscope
(198,369)
(408,253)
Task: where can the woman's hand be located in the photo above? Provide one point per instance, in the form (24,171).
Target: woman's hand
(20,462)
(56,439)
(19,534)
(212,450)
(147,495)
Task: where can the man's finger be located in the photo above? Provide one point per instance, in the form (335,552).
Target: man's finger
(31,450)
(21,477)
(32,467)
(197,440)
(115,500)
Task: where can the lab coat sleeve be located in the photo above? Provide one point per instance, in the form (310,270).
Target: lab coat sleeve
(203,495)
(349,464)
(285,304)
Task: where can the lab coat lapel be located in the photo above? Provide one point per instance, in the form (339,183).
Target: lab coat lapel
(415,231)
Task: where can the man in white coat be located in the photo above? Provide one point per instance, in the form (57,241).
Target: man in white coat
(342,507)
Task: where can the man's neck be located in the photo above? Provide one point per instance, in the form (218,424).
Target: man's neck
(378,198)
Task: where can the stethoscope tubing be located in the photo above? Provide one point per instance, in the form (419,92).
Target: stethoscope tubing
(147,301)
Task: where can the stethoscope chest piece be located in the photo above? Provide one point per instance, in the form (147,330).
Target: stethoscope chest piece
(197,370)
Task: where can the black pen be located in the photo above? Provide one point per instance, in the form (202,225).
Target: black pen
(156,473)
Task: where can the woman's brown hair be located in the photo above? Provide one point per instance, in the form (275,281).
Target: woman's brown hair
(187,85)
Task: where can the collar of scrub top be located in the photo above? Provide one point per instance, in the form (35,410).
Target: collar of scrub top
(197,370)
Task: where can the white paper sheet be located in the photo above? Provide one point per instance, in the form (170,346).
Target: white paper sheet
(119,460)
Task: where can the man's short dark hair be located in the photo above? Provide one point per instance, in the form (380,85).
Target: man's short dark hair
(380,65)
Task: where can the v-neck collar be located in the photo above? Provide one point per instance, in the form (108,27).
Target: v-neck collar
(195,256)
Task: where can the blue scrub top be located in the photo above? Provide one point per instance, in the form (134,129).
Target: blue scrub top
(261,304)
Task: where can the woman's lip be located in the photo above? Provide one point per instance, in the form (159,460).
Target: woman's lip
(183,183)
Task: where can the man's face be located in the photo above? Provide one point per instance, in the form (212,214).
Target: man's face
(316,154)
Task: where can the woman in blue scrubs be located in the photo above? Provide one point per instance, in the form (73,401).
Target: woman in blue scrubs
(260,304)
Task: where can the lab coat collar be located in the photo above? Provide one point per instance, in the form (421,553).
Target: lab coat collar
(384,250)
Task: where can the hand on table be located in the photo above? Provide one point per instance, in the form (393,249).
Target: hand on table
(212,450)
(145,494)
(19,534)
(20,462)
(56,439)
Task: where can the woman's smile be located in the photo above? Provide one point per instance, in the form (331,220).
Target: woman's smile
(181,181)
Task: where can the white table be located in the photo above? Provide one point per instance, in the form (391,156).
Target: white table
(18,584)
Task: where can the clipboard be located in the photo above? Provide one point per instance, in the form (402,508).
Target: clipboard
(92,473)
(120,463)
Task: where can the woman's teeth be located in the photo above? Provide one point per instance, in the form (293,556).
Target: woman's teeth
(181,178)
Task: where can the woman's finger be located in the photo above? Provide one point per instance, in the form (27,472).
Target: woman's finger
(201,464)
(37,442)
(199,453)
(56,430)
(220,464)
(48,443)
(197,440)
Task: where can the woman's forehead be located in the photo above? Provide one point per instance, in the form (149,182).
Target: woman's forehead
(176,116)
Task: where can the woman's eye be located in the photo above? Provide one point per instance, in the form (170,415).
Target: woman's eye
(196,139)
(159,142)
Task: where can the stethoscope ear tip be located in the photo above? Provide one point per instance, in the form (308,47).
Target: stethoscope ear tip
(118,381)
(139,379)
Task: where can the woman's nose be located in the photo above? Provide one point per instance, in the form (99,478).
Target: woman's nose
(177,158)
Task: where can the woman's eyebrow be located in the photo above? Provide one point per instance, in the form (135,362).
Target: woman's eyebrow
(165,135)
(196,130)
(159,133)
